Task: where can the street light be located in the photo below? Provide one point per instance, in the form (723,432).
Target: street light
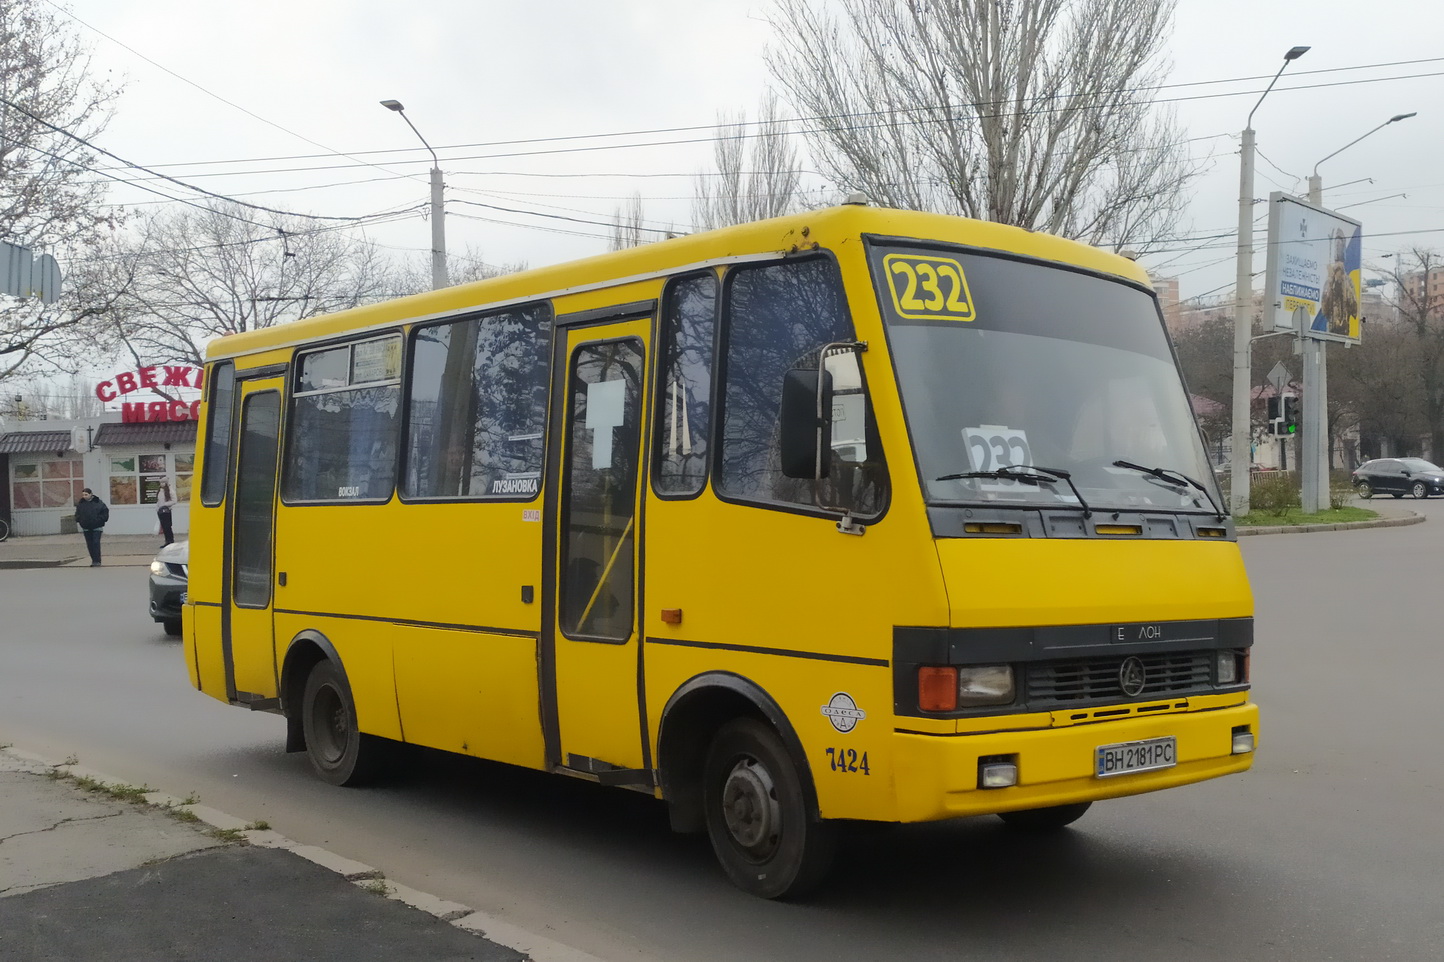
(438,225)
(1243,307)
(1316,183)
(1314,458)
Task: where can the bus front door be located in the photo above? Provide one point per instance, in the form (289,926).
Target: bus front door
(590,642)
(249,549)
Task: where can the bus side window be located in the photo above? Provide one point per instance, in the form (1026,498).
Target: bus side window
(778,317)
(342,436)
(478,406)
(221,391)
(684,391)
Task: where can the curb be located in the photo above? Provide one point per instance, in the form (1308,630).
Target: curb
(534,947)
(1339,526)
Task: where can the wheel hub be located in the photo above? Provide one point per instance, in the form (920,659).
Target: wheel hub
(749,807)
(330,724)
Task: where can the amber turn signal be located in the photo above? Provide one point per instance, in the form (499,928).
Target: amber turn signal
(671,616)
(937,688)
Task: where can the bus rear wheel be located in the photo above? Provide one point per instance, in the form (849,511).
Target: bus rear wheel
(1045,819)
(757,817)
(339,752)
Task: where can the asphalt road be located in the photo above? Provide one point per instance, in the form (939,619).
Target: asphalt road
(1331,848)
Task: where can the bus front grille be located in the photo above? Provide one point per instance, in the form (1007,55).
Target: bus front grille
(1093,681)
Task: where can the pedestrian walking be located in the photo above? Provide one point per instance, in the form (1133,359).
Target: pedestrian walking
(91,515)
(164,501)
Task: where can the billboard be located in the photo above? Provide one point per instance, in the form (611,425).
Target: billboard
(1314,261)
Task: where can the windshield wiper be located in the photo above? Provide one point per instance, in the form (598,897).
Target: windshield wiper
(1028,474)
(1175,478)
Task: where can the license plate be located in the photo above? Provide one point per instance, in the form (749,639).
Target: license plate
(1126,758)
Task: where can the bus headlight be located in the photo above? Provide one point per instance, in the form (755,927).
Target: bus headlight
(985,685)
(1227,668)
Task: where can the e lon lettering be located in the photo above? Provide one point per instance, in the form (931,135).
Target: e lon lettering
(1137,632)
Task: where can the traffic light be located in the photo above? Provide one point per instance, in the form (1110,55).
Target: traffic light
(1283,415)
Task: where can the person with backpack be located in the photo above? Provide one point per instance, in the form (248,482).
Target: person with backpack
(91,515)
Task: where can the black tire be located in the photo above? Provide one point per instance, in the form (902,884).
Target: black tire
(1364,490)
(172,627)
(757,814)
(1045,819)
(339,752)
(1420,490)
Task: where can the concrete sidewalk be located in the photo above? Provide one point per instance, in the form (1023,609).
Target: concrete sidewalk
(92,869)
(68,550)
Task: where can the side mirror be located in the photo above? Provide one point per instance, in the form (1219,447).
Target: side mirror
(805,439)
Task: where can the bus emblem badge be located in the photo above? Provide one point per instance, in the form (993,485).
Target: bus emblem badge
(1132,676)
(843,712)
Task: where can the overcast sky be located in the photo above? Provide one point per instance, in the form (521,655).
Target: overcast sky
(259,100)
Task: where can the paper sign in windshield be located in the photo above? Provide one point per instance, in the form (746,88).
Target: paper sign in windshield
(994,446)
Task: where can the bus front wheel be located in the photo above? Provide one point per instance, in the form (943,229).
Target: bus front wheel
(1045,819)
(757,817)
(339,752)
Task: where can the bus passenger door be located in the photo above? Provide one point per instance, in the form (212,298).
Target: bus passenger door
(248,587)
(591,660)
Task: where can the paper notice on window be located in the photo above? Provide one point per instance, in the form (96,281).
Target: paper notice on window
(606,409)
(994,446)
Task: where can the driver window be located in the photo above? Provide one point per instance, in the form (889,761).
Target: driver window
(779,317)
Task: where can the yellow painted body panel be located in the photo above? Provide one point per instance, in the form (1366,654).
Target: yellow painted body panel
(801,688)
(365,651)
(469,692)
(834,228)
(473,561)
(1007,582)
(202,627)
(938,777)
(201,616)
(424,602)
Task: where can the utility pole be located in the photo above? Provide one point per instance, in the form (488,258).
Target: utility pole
(1314,450)
(438,211)
(1243,310)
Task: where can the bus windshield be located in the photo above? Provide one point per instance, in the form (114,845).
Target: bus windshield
(1005,364)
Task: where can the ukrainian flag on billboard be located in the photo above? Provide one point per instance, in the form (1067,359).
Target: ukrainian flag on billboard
(1314,264)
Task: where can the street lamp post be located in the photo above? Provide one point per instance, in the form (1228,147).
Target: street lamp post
(1243,309)
(438,224)
(1314,459)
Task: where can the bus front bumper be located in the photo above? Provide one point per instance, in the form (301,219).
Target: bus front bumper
(938,775)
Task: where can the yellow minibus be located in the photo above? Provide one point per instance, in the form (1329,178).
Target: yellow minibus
(857,514)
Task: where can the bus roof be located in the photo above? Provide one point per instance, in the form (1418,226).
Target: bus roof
(827,228)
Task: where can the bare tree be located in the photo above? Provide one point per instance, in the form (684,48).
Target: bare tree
(1421,315)
(1027,112)
(1376,387)
(749,184)
(189,275)
(414,276)
(627,229)
(65,398)
(50,198)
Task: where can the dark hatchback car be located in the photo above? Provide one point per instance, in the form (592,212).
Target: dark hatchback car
(1398,476)
(169,576)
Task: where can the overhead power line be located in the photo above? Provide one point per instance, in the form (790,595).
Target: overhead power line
(712,128)
(166,177)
